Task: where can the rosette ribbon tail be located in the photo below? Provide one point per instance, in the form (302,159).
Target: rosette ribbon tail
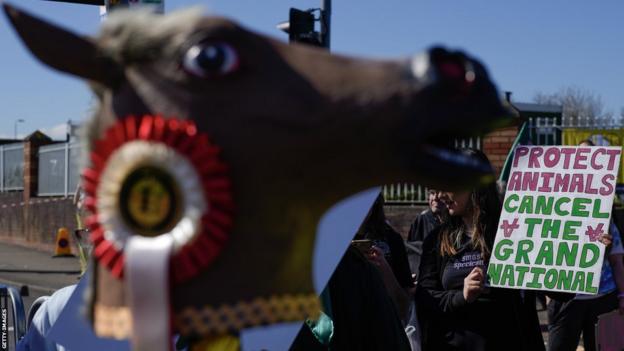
(147,279)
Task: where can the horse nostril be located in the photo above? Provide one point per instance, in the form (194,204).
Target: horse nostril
(452,71)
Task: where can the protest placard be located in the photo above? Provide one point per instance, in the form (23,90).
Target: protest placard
(557,204)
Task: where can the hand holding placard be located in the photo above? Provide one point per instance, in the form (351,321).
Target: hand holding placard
(473,284)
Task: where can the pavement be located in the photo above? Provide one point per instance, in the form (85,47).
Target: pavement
(38,270)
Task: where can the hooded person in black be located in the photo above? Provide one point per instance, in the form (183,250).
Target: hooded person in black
(366,297)
(375,227)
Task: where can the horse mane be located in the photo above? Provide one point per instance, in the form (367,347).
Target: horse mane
(133,36)
(137,35)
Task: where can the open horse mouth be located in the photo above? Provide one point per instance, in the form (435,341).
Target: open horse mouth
(453,168)
(464,83)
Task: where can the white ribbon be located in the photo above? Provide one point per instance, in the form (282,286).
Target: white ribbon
(147,284)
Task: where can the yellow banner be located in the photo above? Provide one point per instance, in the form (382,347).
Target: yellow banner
(600,137)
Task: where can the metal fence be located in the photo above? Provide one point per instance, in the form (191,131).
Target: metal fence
(58,169)
(414,194)
(549,131)
(12,167)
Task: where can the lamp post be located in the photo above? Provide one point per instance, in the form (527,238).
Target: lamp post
(326,10)
(15,127)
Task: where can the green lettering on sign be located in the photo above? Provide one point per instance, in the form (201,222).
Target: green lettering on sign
(552,226)
(569,230)
(521,272)
(579,281)
(494,272)
(564,280)
(531,222)
(508,276)
(588,287)
(544,205)
(579,207)
(524,247)
(502,251)
(537,272)
(567,251)
(586,262)
(596,211)
(559,203)
(550,279)
(508,207)
(526,205)
(545,254)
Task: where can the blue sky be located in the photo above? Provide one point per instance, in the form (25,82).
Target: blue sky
(528,46)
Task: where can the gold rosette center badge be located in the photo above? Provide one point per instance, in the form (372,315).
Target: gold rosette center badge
(150,201)
(152,177)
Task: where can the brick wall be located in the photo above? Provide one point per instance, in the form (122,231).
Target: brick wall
(32,143)
(35,222)
(497,145)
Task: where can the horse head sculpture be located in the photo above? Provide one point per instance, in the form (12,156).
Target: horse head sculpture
(286,131)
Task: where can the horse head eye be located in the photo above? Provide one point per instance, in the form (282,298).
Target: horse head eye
(210,59)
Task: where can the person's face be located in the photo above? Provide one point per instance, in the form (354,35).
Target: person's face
(584,144)
(457,202)
(435,201)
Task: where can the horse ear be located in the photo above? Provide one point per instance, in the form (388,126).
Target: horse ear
(64,50)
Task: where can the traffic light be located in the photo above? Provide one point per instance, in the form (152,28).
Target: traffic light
(300,27)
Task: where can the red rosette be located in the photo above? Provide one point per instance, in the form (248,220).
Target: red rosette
(183,137)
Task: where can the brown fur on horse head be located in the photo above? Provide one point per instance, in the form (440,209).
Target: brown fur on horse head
(300,128)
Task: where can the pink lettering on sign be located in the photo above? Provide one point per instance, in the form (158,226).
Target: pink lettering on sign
(529,180)
(514,181)
(551,157)
(581,157)
(547,169)
(508,228)
(567,156)
(594,233)
(607,181)
(520,152)
(546,176)
(577,184)
(548,182)
(613,153)
(536,152)
(593,158)
(588,185)
(562,182)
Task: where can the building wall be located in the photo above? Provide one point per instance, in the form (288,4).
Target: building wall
(401,217)
(497,145)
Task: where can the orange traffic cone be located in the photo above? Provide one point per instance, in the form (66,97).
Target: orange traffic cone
(62,248)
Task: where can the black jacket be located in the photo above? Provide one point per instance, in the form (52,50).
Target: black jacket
(497,320)
(423,225)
